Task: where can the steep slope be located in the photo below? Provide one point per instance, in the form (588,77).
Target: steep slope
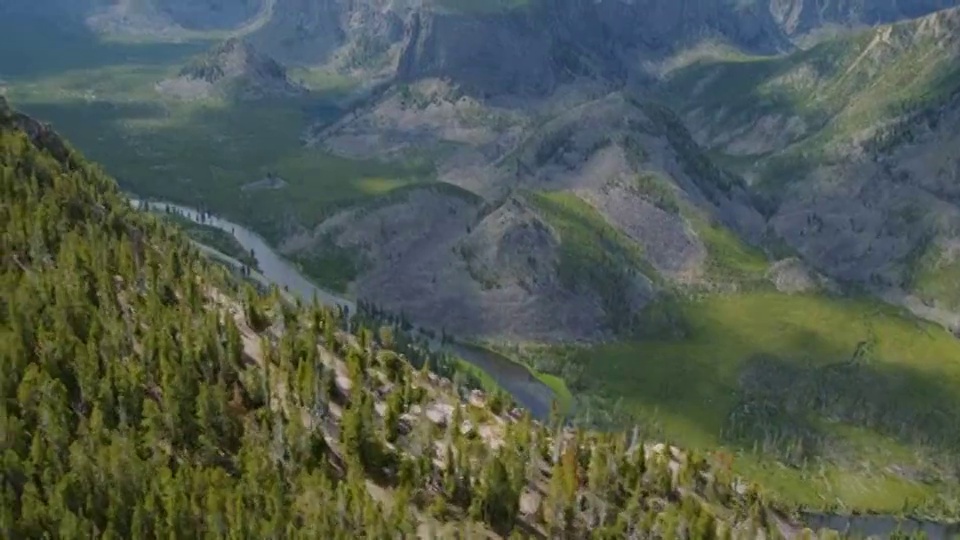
(182,402)
(852,143)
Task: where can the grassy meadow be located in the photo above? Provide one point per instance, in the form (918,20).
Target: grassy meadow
(102,95)
(830,402)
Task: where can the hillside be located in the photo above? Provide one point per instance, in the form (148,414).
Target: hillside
(184,403)
(233,69)
(851,141)
(583,219)
(679,218)
(798,17)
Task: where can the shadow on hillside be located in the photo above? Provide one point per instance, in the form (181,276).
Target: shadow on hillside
(788,408)
(794,393)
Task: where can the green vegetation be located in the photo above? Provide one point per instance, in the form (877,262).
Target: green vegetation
(729,259)
(564,398)
(148,395)
(333,266)
(837,88)
(713,181)
(593,254)
(213,237)
(850,394)
(658,191)
(205,151)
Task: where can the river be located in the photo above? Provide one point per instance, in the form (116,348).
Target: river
(514,378)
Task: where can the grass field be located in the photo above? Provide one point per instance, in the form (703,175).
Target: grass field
(824,401)
(102,96)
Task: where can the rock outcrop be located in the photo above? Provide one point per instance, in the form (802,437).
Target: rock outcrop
(233,68)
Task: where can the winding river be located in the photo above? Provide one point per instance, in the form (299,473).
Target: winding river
(514,378)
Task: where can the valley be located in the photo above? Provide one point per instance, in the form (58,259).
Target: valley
(734,228)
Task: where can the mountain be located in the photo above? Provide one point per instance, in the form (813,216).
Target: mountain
(797,17)
(162,386)
(851,141)
(681,214)
(233,68)
(580,226)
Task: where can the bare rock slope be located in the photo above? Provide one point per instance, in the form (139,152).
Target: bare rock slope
(581,221)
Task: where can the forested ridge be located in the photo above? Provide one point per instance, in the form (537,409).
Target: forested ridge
(147,393)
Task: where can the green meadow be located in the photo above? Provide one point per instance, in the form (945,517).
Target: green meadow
(838,403)
(835,402)
(102,95)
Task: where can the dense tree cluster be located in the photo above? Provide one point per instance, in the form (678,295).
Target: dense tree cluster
(147,394)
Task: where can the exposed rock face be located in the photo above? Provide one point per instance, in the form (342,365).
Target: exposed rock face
(532,50)
(234,68)
(304,31)
(494,269)
(486,54)
(792,276)
(869,227)
(350,34)
(41,135)
(498,100)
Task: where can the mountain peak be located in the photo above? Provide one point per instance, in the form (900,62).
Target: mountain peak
(232,59)
(234,67)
